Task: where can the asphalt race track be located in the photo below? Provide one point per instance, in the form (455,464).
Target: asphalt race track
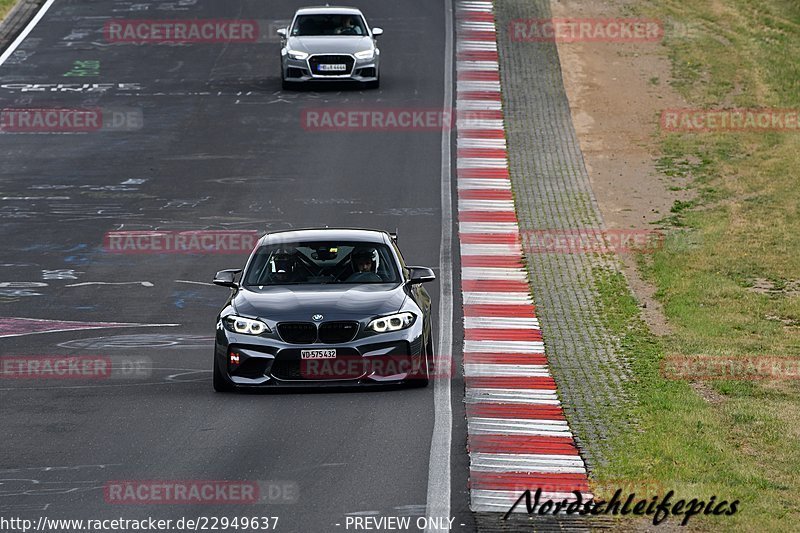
(203,139)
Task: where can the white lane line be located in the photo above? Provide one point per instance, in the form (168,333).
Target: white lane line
(479,134)
(194,282)
(500,322)
(478,85)
(477,46)
(488,227)
(473,8)
(477,6)
(474,142)
(504,346)
(469,249)
(517,298)
(510,426)
(476,25)
(508,250)
(472,123)
(491,249)
(481,163)
(514,274)
(513,370)
(462,10)
(520,423)
(86,283)
(484,183)
(479,204)
(517,396)
(524,462)
(477,64)
(21,37)
(486,205)
(480,105)
(438,497)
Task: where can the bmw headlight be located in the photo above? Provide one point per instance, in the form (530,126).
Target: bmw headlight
(296,54)
(392,322)
(365,54)
(247,326)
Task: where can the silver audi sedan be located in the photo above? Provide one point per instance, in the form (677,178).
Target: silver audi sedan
(329,44)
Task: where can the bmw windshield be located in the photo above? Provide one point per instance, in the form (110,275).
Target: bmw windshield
(310,263)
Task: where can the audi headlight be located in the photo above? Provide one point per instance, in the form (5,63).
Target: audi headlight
(247,326)
(296,54)
(365,54)
(392,322)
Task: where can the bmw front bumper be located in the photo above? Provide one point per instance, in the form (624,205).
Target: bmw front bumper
(249,361)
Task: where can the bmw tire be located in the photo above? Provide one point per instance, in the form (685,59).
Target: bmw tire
(221,382)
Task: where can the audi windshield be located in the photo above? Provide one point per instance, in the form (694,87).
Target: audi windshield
(314,25)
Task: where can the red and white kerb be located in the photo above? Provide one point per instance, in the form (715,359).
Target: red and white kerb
(518,436)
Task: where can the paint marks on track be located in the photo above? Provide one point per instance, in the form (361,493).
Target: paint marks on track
(136,342)
(16,326)
(518,436)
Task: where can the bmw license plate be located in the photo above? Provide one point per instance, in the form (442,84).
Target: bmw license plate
(331,67)
(317,354)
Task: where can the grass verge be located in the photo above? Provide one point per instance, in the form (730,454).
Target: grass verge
(5,7)
(728,274)
(728,441)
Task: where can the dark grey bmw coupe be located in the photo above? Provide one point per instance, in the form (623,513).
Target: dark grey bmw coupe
(324,307)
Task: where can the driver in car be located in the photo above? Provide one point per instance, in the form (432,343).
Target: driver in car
(349,27)
(284,268)
(365,262)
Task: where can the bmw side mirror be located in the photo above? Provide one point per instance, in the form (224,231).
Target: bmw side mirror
(281,32)
(420,275)
(376,32)
(224,278)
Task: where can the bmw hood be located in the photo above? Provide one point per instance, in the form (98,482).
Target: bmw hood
(336,44)
(332,301)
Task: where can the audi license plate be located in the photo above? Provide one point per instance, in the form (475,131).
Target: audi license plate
(331,67)
(317,354)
